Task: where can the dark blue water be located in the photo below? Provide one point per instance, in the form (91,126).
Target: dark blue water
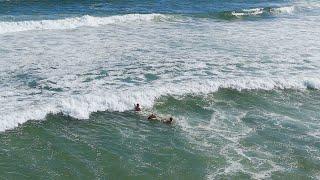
(56,9)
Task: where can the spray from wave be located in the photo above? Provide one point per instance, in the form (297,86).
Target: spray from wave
(71,23)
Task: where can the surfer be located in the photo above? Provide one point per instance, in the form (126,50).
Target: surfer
(152,117)
(168,121)
(137,107)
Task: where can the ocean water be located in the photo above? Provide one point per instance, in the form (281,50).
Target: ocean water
(240,78)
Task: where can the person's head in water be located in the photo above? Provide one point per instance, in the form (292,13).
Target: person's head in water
(170,119)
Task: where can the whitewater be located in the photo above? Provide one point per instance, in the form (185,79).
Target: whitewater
(100,66)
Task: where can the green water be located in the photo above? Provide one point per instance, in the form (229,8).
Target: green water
(224,135)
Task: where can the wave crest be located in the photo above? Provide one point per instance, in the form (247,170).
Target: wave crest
(80,106)
(263,11)
(71,23)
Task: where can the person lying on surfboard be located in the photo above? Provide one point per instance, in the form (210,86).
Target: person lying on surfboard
(166,121)
(152,117)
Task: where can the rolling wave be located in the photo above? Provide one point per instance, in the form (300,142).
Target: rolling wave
(262,11)
(75,22)
(256,12)
(80,106)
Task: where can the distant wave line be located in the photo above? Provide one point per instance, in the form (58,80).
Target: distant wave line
(75,22)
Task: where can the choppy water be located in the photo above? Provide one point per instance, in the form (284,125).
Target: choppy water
(241,80)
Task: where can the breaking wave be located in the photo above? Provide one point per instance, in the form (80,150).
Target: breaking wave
(92,21)
(263,11)
(75,22)
(80,106)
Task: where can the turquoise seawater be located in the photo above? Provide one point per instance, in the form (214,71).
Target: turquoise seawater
(227,134)
(239,77)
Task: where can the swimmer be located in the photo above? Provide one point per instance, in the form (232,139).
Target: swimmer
(168,121)
(152,117)
(137,107)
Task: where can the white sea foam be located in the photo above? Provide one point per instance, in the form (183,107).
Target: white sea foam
(287,10)
(71,23)
(260,11)
(109,67)
(228,125)
(315,134)
(249,12)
